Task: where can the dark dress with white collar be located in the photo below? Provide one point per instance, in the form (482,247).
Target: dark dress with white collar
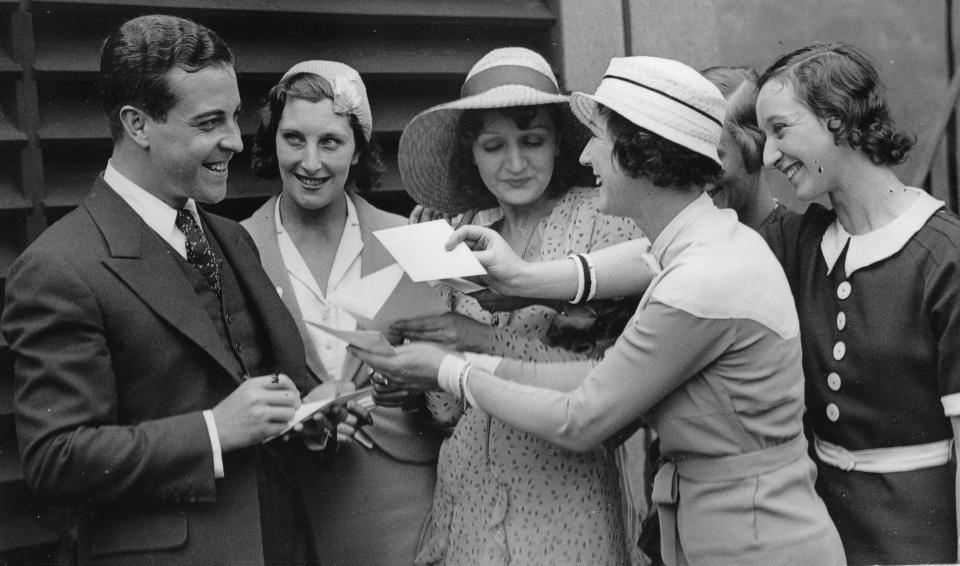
(881,356)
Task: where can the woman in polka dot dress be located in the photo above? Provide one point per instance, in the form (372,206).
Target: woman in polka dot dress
(503,496)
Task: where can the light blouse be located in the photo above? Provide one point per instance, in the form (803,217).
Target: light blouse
(315,306)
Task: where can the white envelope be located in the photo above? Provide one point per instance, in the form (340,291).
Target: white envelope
(307,410)
(368,296)
(369,340)
(465,286)
(418,248)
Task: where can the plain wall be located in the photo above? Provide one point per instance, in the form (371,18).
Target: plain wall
(907,40)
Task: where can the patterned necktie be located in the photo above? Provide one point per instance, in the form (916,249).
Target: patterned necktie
(199,253)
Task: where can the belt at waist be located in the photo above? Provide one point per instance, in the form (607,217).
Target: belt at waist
(885,460)
(725,468)
(666,484)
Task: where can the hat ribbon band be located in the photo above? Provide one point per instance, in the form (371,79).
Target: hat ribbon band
(665,95)
(503,75)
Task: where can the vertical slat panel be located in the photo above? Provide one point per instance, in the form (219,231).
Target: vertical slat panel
(413,54)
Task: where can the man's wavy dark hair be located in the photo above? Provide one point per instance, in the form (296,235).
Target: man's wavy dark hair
(136,57)
(840,84)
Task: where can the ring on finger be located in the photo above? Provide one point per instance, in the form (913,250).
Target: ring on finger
(325,438)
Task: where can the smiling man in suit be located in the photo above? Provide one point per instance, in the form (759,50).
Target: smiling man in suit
(154,359)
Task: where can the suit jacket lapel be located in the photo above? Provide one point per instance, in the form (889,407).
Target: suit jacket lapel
(262,225)
(374,256)
(140,258)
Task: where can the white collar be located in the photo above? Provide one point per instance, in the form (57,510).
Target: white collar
(701,205)
(158,215)
(867,249)
(348,250)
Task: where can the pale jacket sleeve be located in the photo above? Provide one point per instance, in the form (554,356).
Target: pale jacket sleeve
(659,350)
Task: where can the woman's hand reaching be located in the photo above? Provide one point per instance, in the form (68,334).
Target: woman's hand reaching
(412,367)
(450,330)
(504,267)
(424,214)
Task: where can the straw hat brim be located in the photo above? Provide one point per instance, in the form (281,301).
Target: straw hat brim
(428,142)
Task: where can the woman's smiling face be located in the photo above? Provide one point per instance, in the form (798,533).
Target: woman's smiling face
(315,150)
(798,142)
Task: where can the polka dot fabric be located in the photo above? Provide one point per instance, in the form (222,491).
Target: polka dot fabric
(199,253)
(506,497)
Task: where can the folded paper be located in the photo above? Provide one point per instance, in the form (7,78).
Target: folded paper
(419,249)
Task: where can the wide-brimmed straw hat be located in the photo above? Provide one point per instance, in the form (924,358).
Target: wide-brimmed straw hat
(663,96)
(503,78)
(349,92)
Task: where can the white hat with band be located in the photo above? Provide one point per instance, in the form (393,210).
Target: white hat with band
(663,96)
(349,92)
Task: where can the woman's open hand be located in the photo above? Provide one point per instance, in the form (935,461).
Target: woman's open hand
(424,214)
(450,330)
(413,367)
(491,301)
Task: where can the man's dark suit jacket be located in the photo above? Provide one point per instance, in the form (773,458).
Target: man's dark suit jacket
(115,358)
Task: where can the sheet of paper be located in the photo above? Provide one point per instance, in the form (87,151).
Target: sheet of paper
(370,340)
(307,410)
(411,300)
(465,286)
(418,248)
(367,297)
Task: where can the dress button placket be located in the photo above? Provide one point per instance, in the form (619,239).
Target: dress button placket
(839,351)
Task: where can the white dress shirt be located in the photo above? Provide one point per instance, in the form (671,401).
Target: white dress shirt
(317,307)
(161,218)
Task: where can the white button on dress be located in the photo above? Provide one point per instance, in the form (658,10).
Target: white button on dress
(843,290)
(839,350)
(833,413)
(841,320)
(833,381)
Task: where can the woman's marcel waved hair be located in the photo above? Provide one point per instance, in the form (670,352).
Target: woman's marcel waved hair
(840,84)
(567,171)
(313,88)
(739,86)
(642,153)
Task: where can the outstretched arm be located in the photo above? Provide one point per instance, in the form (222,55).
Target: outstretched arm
(658,352)
(621,269)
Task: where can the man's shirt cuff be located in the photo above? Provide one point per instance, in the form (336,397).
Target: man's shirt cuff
(214,443)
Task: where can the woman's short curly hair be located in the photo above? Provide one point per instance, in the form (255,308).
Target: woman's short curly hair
(739,86)
(567,171)
(840,84)
(642,153)
(314,88)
